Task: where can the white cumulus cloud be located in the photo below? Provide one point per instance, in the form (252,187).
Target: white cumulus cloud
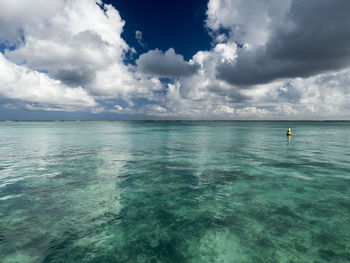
(76,43)
(35,88)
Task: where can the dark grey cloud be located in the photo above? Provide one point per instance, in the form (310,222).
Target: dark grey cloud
(75,76)
(233,95)
(315,39)
(168,64)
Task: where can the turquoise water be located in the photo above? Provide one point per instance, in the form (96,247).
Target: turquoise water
(174,192)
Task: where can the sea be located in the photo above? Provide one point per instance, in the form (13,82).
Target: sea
(174,191)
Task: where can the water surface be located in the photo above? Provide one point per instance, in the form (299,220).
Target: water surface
(174,192)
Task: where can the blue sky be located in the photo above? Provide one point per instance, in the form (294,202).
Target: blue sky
(178,24)
(215,59)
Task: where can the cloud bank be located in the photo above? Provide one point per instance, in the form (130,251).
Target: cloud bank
(76,44)
(282,39)
(34,88)
(276,59)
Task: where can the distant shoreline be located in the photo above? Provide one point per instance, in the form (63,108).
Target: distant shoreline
(174,120)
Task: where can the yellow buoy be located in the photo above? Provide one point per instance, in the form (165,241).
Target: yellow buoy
(289,132)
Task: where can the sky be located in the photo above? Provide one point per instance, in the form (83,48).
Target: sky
(197,59)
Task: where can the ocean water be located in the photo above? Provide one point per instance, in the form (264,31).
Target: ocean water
(174,192)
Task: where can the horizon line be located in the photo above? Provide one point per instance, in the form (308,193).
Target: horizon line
(177,120)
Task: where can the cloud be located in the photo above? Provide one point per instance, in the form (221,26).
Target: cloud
(320,97)
(248,74)
(168,64)
(67,44)
(71,59)
(76,43)
(245,21)
(138,36)
(324,96)
(204,84)
(284,39)
(276,59)
(18,16)
(37,90)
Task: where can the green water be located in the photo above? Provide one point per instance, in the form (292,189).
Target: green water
(174,192)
